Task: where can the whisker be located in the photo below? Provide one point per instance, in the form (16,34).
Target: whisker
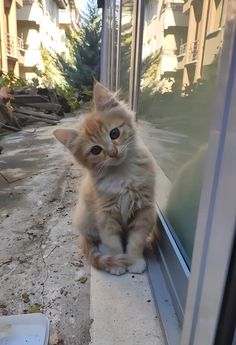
(101,169)
(127,144)
(103,165)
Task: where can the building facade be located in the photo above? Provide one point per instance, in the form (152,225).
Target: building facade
(11,43)
(164,28)
(28,26)
(43,24)
(204,39)
(189,125)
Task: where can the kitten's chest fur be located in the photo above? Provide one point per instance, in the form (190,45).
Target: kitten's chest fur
(127,189)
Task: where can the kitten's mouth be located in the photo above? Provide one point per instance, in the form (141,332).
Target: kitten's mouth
(117,159)
(114,160)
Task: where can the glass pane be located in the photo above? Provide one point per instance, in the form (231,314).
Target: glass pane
(125,47)
(114,32)
(181,47)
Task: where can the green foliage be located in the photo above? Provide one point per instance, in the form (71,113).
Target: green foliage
(84,63)
(40,79)
(48,77)
(53,78)
(10,80)
(125,55)
(70,94)
(150,68)
(72,76)
(188,111)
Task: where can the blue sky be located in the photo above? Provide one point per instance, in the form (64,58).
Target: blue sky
(82,4)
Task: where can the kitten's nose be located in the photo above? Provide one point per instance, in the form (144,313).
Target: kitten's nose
(113,153)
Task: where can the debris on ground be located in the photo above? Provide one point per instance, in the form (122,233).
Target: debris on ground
(20,107)
(25,297)
(82,280)
(36,308)
(39,253)
(3,310)
(4,261)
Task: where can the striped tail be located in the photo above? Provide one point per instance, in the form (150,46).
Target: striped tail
(100,261)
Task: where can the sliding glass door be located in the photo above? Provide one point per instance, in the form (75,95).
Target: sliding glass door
(178,80)
(176,60)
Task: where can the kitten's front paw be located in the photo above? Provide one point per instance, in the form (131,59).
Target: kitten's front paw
(117,270)
(138,267)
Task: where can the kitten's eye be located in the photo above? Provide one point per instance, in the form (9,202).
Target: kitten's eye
(114,133)
(95,150)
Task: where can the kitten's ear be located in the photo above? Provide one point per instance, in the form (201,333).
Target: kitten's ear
(66,136)
(103,98)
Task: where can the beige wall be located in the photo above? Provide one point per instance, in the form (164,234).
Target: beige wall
(3,32)
(8,34)
(12,30)
(152,37)
(206,29)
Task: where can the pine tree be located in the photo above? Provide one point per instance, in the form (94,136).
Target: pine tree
(85,52)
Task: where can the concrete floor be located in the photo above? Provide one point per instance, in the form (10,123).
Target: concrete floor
(45,270)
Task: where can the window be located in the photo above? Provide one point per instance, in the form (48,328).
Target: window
(186,116)
(175,117)
(126,46)
(150,10)
(111,37)
(175,120)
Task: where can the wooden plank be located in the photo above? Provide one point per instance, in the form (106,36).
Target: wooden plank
(22,99)
(10,120)
(12,128)
(47,106)
(38,114)
(24,116)
(7,115)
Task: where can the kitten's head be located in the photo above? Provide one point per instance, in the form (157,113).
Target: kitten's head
(105,137)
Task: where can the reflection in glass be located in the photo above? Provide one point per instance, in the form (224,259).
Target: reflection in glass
(111,41)
(114,9)
(178,77)
(125,47)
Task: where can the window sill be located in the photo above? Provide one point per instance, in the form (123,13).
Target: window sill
(180,56)
(168,276)
(213,33)
(163,301)
(191,63)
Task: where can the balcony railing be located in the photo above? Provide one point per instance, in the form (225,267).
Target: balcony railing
(176,7)
(168,51)
(193,50)
(11,49)
(62,4)
(28,2)
(182,49)
(173,6)
(20,43)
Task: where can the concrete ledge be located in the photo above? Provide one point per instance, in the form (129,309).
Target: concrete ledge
(122,311)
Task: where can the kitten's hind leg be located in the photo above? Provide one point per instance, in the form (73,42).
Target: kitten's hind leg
(139,228)
(113,264)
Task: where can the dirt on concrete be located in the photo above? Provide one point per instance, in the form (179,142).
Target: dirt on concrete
(41,266)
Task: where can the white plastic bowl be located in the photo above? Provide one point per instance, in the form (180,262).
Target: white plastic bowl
(28,329)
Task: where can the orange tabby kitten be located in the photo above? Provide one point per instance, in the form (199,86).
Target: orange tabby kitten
(116,205)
